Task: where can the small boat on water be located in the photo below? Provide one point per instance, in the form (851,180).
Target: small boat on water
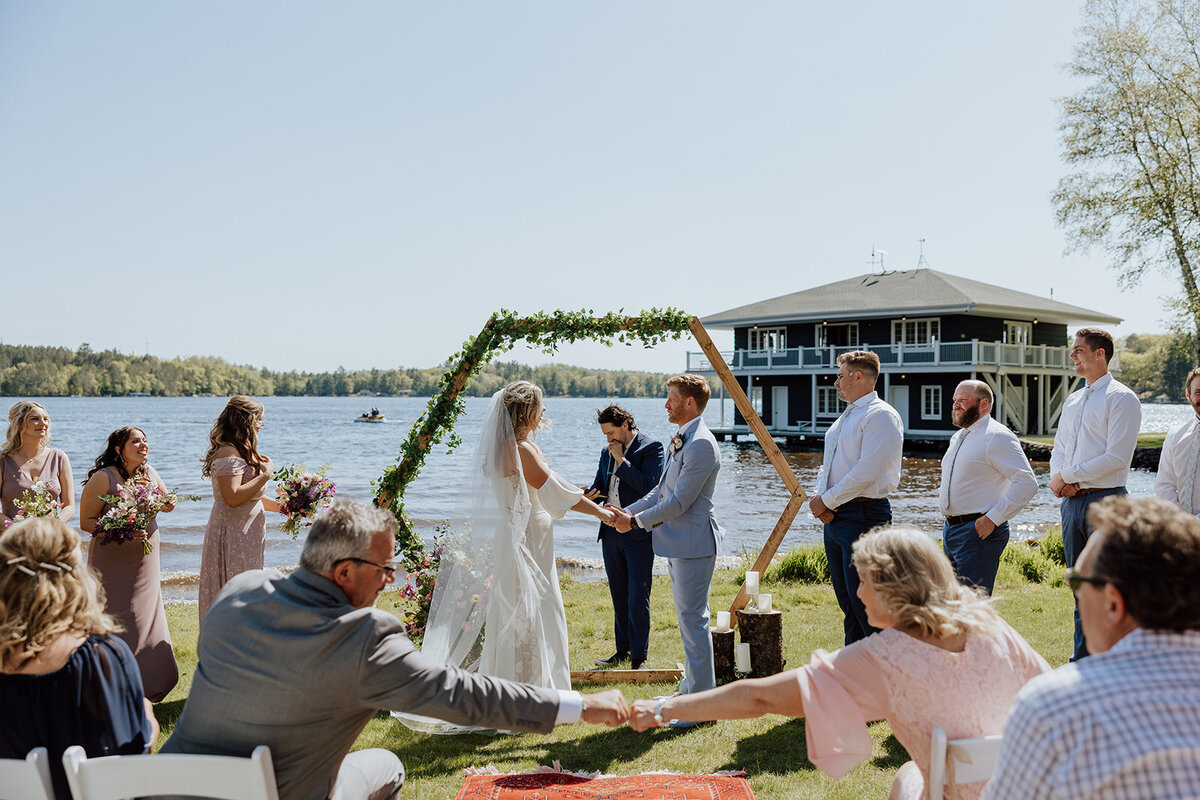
(371,416)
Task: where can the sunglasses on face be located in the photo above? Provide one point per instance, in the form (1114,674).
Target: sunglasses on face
(1075,580)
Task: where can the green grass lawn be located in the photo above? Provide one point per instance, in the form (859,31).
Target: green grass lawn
(771,750)
(1144,439)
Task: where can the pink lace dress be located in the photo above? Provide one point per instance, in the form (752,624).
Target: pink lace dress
(916,687)
(235,538)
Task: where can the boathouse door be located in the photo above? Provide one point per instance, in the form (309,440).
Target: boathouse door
(779,406)
(898,399)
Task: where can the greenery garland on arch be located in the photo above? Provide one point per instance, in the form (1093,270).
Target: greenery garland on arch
(501,332)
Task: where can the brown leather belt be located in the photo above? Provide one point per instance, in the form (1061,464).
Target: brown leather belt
(961,518)
(1085,492)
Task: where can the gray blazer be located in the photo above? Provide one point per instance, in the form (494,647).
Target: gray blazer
(290,663)
(679,511)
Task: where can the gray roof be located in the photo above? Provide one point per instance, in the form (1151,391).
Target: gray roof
(915,292)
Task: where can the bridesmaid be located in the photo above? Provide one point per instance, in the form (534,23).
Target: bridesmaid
(236,535)
(26,456)
(131,577)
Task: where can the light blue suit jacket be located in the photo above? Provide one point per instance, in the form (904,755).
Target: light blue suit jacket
(679,511)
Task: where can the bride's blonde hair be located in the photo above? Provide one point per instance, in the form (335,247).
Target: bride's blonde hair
(523,401)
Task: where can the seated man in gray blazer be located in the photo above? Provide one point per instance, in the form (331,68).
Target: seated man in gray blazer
(301,664)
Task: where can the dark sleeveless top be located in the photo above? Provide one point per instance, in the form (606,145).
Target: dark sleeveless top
(95,700)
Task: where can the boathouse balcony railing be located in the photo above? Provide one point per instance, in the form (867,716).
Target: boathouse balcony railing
(973,353)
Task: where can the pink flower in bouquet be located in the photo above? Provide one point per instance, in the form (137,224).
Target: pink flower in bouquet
(302,495)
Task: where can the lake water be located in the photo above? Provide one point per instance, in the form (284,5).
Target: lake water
(321,430)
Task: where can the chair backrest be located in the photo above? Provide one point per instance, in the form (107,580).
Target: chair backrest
(216,777)
(27,778)
(960,760)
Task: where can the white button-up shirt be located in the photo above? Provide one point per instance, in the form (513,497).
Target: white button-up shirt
(990,473)
(1108,435)
(1171,484)
(870,437)
(1124,723)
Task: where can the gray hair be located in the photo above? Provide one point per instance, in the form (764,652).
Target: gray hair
(343,531)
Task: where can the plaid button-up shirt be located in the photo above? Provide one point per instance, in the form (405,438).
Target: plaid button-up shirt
(1120,724)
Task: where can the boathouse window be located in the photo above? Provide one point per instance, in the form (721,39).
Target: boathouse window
(828,403)
(768,338)
(756,395)
(839,334)
(931,402)
(921,332)
(1017,332)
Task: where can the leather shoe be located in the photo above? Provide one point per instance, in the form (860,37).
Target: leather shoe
(613,660)
(637,664)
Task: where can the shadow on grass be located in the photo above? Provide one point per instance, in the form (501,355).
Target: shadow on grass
(894,755)
(780,750)
(167,712)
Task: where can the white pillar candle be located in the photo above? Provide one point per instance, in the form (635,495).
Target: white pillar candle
(764,602)
(742,658)
(751,583)
(722,620)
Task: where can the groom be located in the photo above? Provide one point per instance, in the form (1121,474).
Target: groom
(679,515)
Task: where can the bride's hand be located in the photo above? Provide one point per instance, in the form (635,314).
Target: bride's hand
(607,517)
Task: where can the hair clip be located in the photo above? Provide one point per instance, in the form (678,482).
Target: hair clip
(51,567)
(16,560)
(26,570)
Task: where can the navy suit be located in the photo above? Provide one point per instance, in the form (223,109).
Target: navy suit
(629,557)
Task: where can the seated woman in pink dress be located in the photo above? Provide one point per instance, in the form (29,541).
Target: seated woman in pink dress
(943,659)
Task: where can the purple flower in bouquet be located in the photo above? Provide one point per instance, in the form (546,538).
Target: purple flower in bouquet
(302,495)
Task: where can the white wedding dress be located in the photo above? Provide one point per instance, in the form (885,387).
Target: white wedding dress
(497,608)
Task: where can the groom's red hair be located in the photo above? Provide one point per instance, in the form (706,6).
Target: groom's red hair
(692,386)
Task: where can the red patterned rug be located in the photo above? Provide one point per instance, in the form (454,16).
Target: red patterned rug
(560,786)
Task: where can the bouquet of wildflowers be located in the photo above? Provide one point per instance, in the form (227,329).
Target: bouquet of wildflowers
(302,495)
(38,500)
(130,511)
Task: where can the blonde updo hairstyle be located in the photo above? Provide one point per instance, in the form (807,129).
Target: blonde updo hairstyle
(17,414)
(45,590)
(917,585)
(523,401)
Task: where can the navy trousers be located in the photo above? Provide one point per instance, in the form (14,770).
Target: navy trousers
(629,565)
(1075,534)
(851,521)
(975,560)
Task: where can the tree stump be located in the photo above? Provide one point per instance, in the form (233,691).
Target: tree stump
(763,631)
(723,655)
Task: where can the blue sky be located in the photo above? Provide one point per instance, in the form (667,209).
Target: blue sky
(304,185)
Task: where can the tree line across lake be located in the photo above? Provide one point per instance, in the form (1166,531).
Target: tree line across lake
(1153,365)
(34,371)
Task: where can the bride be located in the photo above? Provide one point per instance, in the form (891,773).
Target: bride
(497,608)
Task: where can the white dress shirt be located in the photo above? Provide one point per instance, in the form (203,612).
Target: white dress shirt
(1177,451)
(1120,724)
(868,437)
(1108,435)
(990,473)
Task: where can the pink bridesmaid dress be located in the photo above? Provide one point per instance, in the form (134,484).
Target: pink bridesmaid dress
(235,538)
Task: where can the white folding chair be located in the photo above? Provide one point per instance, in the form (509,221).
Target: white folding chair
(27,778)
(960,760)
(216,777)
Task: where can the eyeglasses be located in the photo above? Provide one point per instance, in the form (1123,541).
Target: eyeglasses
(1076,580)
(390,569)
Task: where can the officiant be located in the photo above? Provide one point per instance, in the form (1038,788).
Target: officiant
(630,466)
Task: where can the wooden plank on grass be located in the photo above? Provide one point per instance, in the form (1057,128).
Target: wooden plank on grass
(597,677)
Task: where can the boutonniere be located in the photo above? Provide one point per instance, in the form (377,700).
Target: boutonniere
(676,443)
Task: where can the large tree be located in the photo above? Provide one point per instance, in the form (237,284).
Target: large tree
(1132,138)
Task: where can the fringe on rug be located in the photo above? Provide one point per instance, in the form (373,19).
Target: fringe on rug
(556,768)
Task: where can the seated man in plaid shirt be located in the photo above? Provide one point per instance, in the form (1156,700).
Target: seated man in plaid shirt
(1124,723)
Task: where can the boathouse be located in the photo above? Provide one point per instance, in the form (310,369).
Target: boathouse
(930,330)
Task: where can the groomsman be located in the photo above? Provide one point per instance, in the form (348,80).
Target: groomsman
(679,515)
(860,469)
(986,480)
(630,466)
(1093,446)
(1176,481)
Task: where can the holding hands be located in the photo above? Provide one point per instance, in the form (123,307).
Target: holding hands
(606,708)
(622,520)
